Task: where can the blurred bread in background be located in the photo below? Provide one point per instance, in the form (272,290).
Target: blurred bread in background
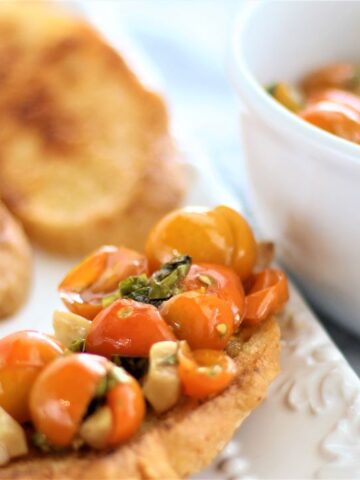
(15,264)
(86,156)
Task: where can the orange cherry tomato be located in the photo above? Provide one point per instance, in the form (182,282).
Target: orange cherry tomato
(221,236)
(127,328)
(220,280)
(22,357)
(127,405)
(204,373)
(203,320)
(341,97)
(62,393)
(335,118)
(343,75)
(84,287)
(266,294)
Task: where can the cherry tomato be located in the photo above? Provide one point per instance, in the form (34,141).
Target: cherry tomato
(22,357)
(335,118)
(221,236)
(341,97)
(220,280)
(204,373)
(203,320)
(98,276)
(267,292)
(127,405)
(127,328)
(62,393)
(338,75)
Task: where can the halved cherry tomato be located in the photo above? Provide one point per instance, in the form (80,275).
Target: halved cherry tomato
(62,393)
(84,287)
(335,118)
(220,280)
(342,97)
(127,328)
(203,320)
(343,75)
(127,405)
(204,373)
(267,292)
(22,357)
(221,236)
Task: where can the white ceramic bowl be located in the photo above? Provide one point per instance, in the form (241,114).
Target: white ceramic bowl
(305,183)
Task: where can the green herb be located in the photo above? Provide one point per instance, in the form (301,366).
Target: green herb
(135,287)
(125,312)
(40,441)
(213,371)
(170,360)
(222,329)
(136,366)
(161,286)
(77,345)
(271,89)
(106,301)
(101,388)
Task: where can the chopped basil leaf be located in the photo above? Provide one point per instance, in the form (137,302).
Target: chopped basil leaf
(170,360)
(135,366)
(271,89)
(161,286)
(101,388)
(106,301)
(40,441)
(77,345)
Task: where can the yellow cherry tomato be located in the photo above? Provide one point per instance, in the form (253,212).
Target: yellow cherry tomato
(220,236)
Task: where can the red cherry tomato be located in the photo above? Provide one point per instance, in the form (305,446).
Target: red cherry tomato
(62,393)
(343,75)
(127,405)
(22,357)
(205,373)
(221,281)
(267,293)
(98,276)
(335,118)
(203,320)
(127,328)
(341,97)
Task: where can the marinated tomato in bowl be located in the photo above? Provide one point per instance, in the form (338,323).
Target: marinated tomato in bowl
(328,98)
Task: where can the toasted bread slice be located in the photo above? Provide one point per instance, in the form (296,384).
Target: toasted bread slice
(15,264)
(181,442)
(78,131)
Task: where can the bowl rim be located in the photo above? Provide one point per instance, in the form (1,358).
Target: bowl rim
(255,96)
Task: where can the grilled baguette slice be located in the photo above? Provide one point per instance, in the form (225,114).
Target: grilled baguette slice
(79,133)
(181,442)
(15,264)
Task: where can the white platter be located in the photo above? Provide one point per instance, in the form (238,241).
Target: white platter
(309,427)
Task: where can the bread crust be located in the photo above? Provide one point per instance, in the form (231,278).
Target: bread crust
(79,134)
(15,264)
(181,442)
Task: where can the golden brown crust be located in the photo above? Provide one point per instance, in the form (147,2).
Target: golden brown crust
(78,132)
(15,264)
(186,439)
